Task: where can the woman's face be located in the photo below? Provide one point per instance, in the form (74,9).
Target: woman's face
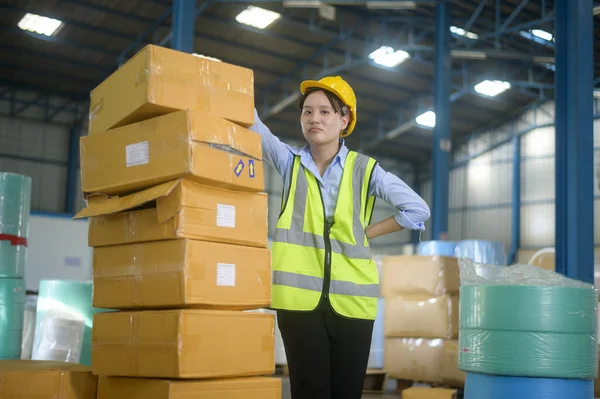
(320,123)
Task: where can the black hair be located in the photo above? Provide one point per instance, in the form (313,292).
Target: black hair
(336,103)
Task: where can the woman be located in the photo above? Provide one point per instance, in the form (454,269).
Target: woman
(325,283)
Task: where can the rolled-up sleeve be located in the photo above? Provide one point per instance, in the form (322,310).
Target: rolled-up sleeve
(413,211)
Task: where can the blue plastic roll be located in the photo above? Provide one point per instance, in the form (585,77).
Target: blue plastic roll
(68,299)
(480,386)
(12,311)
(15,204)
(442,248)
(487,252)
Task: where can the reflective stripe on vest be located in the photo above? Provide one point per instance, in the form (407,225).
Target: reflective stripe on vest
(300,247)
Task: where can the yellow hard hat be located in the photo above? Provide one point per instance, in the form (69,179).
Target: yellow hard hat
(340,88)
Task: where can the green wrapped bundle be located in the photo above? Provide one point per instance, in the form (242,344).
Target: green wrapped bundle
(64,314)
(15,204)
(527,322)
(12,310)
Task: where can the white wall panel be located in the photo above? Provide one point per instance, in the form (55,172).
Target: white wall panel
(487,224)
(537,179)
(537,225)
(488,183)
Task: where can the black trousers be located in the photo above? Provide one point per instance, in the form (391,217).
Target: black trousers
(327,354)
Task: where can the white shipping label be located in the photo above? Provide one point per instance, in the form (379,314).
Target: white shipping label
(225,215)
(226,274)
(137,154)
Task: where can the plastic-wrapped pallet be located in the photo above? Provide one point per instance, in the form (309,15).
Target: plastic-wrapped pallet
(526,321)
(480,251)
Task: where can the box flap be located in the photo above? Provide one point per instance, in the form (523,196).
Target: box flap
(110,205)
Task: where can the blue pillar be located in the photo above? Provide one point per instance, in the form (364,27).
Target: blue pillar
(574,140)
(184,18)
(441,135)
(516,200)
(72,168)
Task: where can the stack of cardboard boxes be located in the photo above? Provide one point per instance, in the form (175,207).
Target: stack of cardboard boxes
(178,223)
(421,318)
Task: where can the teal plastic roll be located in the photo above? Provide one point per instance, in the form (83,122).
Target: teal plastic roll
(12,310)
(528,308)
(15,204)
(71,300)
(528,331)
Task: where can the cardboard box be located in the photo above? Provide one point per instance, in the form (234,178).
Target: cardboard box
(188,344)
(25,379)
(178,209)
(181,273)
(191,145)
(414,315)
(158,80)
(230,388)
(429,393)
(417,274)
(450,373)
(414,359)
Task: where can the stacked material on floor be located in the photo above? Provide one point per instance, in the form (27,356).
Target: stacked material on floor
(15,204)
(63,324)
(437,247)
(480,251)
(421,318)
(530,323)
(429,393)
(178,223)
(46,380)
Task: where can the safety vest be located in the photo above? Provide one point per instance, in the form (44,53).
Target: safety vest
(313,260)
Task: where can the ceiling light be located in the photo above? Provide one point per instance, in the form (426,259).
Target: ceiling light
(491,88)
(387,57)
(391,5)
(257,17)
(426,119)
(38,24)
(542,34)
(302,3)
(469,54)
(461,32)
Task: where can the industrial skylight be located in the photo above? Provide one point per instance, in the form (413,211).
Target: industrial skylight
(426,119)
(542,34)
(38,24)
(491,88)
(387,57)
(257,17)
(539,36)
(461,32)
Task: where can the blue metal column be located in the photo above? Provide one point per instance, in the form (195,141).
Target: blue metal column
(72,168)
(516,200)
(184,19)
(574,140)
(441,136)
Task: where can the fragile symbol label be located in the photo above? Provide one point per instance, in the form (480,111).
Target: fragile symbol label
(251,168)
(239,168)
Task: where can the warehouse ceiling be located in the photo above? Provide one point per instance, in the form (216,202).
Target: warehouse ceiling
(487,41)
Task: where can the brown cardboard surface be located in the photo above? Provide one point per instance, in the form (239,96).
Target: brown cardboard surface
(417,274)
(414,315)
(194,145)
(181,273)
(414,359)
(186,344)
(25,379)
(229,388)
(158,80)
(429,393)
(178,209)
(450,372)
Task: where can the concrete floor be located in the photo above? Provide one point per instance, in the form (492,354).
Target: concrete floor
(286,392)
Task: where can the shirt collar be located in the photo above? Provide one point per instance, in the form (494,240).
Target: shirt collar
(340,157)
